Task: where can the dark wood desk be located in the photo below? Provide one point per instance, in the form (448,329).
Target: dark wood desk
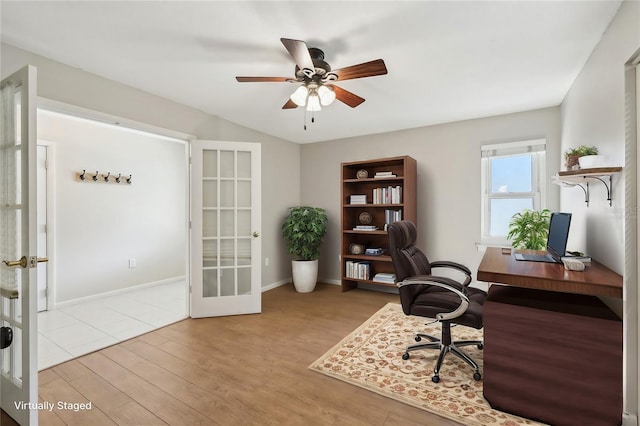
(552,349)
(595,280)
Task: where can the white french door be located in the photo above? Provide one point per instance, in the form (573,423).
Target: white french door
(18,245)
(225,228)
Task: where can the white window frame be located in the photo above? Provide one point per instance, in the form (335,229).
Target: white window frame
(536,147)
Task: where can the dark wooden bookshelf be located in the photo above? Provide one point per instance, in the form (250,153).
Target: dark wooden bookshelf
(404,170)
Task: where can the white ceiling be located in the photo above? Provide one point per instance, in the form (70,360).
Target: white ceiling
(447,60)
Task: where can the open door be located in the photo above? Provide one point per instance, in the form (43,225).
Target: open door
(225,228)
(18,244)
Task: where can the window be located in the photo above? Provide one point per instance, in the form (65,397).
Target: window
(512,180)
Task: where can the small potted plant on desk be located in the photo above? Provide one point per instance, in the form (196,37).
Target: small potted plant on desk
(303,229)
(529,229)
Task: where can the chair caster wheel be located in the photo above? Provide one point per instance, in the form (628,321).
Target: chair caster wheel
(480,346)
(435,379)
(405,356)
(418,338)
(477,376)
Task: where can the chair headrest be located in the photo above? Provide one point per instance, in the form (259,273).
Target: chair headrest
(405,233)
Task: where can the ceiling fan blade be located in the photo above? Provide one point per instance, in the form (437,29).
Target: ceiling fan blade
(300,53)
(367,69)
(346,96)
(290,105)
(262,79)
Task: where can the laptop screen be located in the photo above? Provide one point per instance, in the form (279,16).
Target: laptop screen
(558,234)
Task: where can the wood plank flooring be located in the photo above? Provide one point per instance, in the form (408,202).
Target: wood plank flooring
(239,370)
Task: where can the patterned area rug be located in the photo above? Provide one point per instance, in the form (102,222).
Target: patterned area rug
(371,357)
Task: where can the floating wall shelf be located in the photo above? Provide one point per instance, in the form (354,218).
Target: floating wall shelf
(583,177)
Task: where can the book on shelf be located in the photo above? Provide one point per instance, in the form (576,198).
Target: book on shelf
(358,199)
(381,277)
(387,195)
(391,216)
(384,175)
(358,270)
(365,228)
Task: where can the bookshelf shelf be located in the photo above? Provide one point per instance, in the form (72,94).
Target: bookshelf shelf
(395,198)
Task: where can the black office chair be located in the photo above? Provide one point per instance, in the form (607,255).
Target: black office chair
(444,299)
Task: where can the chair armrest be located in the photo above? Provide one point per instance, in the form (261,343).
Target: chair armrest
(445,283)
(454,265)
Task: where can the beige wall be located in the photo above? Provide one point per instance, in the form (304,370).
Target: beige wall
(280,158)
(448,158)
(593,113)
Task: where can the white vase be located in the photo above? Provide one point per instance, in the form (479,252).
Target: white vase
(305,275)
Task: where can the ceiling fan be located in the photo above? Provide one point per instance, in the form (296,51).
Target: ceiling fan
(316,78)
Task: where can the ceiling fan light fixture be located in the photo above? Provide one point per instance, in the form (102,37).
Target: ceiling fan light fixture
(299,97)
(313,102)
(327,95)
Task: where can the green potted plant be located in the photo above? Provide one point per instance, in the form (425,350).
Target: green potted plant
(572,155)
(529,228)
(303,230)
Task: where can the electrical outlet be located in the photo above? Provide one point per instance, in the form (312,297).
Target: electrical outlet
(132,262)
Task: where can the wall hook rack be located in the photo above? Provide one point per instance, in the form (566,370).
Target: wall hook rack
(103,177)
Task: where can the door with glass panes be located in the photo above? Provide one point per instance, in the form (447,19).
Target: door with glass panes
(225,228)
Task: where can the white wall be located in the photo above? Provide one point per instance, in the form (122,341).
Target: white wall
(448,157)
(280,158)
(101,226)
(593,113)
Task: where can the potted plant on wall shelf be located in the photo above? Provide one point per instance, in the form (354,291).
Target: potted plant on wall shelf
(572,157)
(529,229)
(303,230)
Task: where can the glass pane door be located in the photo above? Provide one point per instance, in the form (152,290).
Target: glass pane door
(225,224)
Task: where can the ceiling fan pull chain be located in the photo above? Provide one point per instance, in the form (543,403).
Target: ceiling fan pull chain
(305,119)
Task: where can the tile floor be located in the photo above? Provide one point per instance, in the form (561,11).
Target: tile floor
(81,328)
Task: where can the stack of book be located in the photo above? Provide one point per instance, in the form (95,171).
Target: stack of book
(382,175)
(358,199)
(385,278)
(387,195)
(365,228)
(359,270)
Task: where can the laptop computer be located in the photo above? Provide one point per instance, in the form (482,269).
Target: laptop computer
(556,240)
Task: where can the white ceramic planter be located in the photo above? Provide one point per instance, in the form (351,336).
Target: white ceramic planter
(590,161)
(305,275)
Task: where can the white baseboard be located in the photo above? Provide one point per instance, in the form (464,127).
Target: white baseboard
(329,281)
(289,281)
(276,284)
(71,302)
(629,419)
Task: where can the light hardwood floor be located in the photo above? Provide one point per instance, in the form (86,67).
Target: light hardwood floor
(240,370)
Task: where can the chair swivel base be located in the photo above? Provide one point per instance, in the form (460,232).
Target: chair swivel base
(454,347)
